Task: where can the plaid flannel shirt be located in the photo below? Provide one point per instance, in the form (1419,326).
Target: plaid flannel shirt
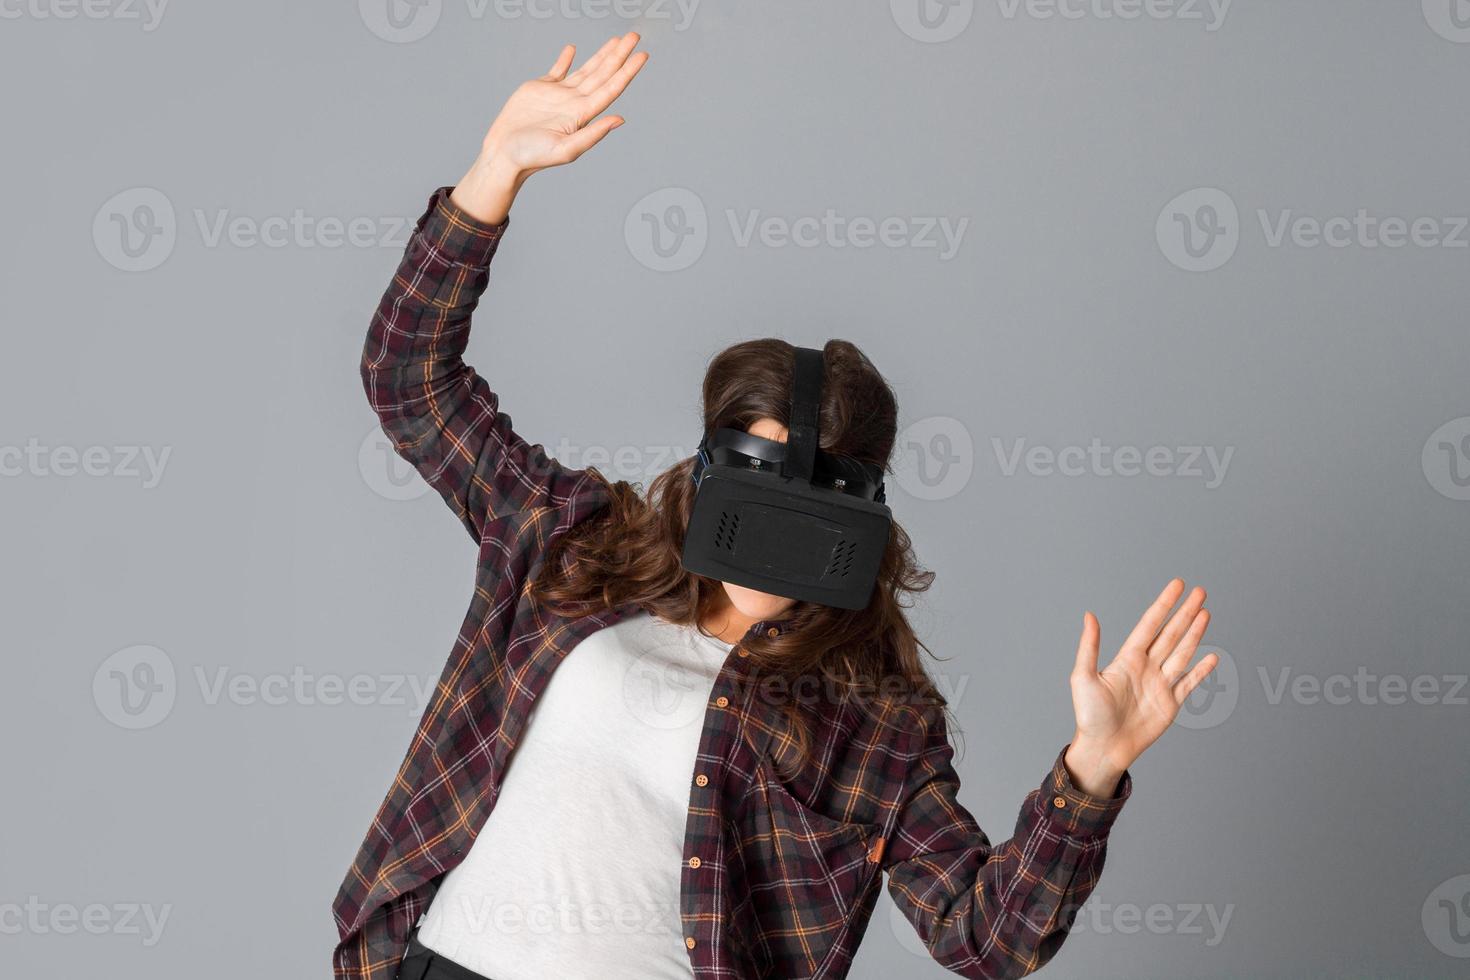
(780,873)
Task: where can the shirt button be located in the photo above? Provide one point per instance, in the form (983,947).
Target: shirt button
(689,942)
(695,862)
(722,702)
(773,632)
(1059,802)
(701,780)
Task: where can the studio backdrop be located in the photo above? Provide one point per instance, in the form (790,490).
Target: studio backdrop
(1163,288)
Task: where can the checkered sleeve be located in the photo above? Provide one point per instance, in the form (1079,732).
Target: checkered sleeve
(994,911)
(375,951)
(439,413)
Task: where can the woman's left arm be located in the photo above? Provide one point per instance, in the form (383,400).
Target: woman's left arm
(1003,911)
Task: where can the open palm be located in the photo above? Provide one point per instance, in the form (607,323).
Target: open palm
(554,119)
(1129,704)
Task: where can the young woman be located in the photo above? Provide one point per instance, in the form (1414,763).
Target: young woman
(628,770)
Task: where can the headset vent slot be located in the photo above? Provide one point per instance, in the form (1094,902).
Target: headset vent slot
(726,530)
(842,557)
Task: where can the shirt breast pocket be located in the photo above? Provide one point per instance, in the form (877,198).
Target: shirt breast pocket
(813,870)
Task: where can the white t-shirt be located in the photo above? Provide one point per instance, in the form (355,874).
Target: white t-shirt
(576,871)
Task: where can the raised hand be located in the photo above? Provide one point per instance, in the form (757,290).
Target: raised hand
(547,122)
(1123,709)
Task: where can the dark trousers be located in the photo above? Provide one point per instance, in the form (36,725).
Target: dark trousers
(421,963)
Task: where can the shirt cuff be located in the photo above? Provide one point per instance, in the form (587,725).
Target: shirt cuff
(1075,813)
(450,231)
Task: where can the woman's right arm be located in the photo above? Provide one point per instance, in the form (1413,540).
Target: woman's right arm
(440,415)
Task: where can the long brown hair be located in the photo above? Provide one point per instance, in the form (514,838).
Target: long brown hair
(631,552)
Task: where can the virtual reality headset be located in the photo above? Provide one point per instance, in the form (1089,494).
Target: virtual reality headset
(787,518)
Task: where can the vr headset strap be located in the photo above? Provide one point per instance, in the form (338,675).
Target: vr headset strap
(806,402)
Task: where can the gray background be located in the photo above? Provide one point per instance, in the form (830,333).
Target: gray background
(1335,544)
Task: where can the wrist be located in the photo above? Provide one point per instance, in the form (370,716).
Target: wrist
(1093,767)
(488,189)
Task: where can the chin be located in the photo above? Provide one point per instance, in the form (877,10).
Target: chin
(757,605)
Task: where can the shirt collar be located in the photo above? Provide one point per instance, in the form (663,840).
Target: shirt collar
(769,628)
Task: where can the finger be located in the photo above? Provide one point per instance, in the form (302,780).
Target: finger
(1194,678)
(1087,646)
(1164,643)
(587,137)
(607,93)
(593,61)
(1179,659)
(613,61)
(1148,627)
(563,63)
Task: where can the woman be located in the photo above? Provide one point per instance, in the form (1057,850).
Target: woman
(557,815)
